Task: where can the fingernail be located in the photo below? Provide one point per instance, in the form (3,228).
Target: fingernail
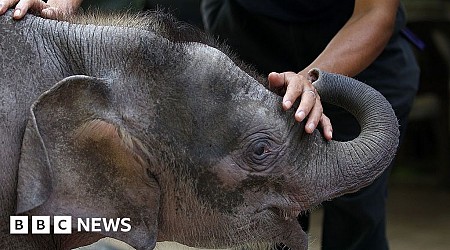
(287,104)
(300,115)
(311,126)
(17,12)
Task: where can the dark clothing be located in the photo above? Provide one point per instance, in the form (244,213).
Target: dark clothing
(109,5)
(273,41)
(297,10)
(187,10)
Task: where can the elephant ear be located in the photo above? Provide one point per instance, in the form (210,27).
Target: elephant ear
(78,160)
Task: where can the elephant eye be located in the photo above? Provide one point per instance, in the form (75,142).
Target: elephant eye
(261,148)
(260,154)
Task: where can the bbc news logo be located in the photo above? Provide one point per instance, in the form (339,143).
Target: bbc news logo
(63,225)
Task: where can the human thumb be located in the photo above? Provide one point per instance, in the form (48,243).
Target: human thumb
(276,80)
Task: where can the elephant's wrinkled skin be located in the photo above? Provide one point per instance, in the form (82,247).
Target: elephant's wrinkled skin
(114,122)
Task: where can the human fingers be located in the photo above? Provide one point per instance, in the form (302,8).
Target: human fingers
(23,6)
(2,8)
(6,4)
(327,129)
(276,80)
(310,106)
(60,9)
(296,85)
(316,117)
(277,83)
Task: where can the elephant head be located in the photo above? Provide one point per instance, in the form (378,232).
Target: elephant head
(193,149)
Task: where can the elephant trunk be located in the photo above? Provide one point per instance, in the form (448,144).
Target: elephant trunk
(346,167)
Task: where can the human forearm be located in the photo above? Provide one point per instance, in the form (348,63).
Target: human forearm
(361,40)
(351,50)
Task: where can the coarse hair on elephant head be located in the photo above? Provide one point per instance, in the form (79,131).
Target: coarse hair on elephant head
(189,146)
(165,25)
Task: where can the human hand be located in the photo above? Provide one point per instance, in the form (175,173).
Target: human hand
(310,106)
(53,9)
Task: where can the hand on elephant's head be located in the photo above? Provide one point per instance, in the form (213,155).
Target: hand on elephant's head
(296,86)
(52,9)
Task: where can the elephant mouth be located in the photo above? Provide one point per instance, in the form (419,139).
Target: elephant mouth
(285,213)
(293,235)
(285,216)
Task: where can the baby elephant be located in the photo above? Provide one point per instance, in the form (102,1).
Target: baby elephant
(141,129)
